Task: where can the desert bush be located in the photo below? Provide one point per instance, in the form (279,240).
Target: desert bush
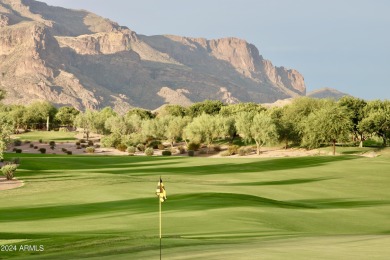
(78,143)
(35,147)
(141,147)
(121,147)
(52,147)
(82,141)
(42,150)
(18,151)
(84,146)
(111,140)
(69,152)
(17,142)
(90,149)
(14,149)
(217,148)
(193,146)
(31,145)
(154,144)
(52,143)
(78,147)
(149,151)
(181,149)
(161,147)
(191,153)
(9,171)
(64,150)
(248,150)
(166,153)
(63,129)
(27,142)
(233,149)
(90,143)
(97,145)
(131,149)
(225,153)
(40,141)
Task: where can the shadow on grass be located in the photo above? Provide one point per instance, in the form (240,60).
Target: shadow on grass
(281,182)
(181,202)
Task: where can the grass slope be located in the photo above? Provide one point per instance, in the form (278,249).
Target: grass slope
(105,208)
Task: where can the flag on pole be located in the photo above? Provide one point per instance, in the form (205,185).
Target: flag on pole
(160,191)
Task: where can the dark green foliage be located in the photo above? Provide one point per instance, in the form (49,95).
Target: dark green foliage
(82,141)
(121,147)
(69,152)
(52,143)
(175,110)
(191,153)
(18,151)
(131,150)
(31,145)
(181,149)
(193,146)
(233,149)
(42,150)
(112,140)
(154,144)
(211,107)
(35,147)
(64,150)
(166,153)
(144,114)
(17,142)
(78,143)
(40,141)
(90,143)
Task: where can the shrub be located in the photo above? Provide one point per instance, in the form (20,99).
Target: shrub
(90,149)
(193,146)
(40,141)
(64,150)
(82,141)
(14,150)
(166,153)
(202,151)
(9,171)
(241,151)
(149,151)
(78,143)
(233,149)
(181,149)
(191,153)
(84,146)
(131,150)
(63,129)
(225,153)
(154,144)
(52,143)
(35,147)
(90,143)
(97,145)
(111,140)
(69,152)
(217,148)
(248,150)
(78,147)
(141,147)
(42,150)
(161,147)
(17,142)
(18,151)
(27,142)
(52,147)
(31,145)
(121,147)
(173,150)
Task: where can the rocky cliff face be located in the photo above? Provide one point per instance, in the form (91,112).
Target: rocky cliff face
(76,58)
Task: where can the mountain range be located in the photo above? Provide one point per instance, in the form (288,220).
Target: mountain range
(77,58)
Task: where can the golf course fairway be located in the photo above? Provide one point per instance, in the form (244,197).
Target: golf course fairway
(96,207)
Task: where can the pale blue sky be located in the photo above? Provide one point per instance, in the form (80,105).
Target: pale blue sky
(339,44)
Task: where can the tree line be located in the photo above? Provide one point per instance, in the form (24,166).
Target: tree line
(306,122)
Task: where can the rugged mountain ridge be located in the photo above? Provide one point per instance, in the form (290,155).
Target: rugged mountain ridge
(77,58)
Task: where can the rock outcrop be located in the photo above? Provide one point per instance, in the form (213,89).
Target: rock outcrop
(77,58)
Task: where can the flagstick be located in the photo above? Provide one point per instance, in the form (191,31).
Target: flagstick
(160,225)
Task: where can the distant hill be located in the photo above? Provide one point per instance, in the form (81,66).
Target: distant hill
(327,93)
(77,58)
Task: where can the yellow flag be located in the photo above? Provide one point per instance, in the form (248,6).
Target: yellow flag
(160,191)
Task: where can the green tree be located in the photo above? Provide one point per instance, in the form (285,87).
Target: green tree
(173,110)
(233,109)
(203,129)
(5,129)
(39,114)
(210,107)
(144,114)
(377,119)
(330,124)
(287,133)
(355,107)
(175,127)
(66,115)
(86,121)
(257,127)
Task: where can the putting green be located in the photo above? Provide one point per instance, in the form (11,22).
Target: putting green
(320,207)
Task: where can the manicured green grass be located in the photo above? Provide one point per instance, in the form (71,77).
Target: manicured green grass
(46,136)
(319,207)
